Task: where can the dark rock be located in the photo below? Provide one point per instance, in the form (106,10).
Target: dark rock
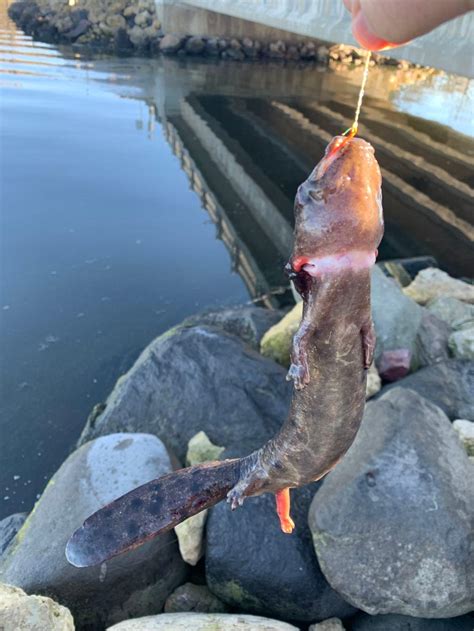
(27,20)
(195,46)
(431,343)
(77,15)
(136,583)
(394,365)
(212,47)
(8,529)
(250,47)
(394,622)
(193,379)
(223,44)
(171,43)
(292,53)
(81,28)
(16,9)
(322,55)
(122,42)
(397,511)
(253,566)
(449,385)
(248,323)
(190,597)
(308,51)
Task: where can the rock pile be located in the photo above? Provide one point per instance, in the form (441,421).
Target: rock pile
(385,541)
(131,26)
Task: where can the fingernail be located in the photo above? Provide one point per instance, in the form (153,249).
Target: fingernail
(364,35)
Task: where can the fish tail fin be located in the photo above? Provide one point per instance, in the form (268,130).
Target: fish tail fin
(150,510)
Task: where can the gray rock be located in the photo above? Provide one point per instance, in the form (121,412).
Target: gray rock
(171,43)
(212,47)
(431,344)
(248,323)
(8,529)
(448,384)
(190,597)
(253,566)
(193,379)
(432,283)
(461,343)
(396,317)
(331,624)
(394,622)
(392,524)
(452,311)
(202,622)
(465,431)
(135,583)
(20,612)
(195,46)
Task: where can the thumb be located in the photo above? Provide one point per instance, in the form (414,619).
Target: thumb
(381,24)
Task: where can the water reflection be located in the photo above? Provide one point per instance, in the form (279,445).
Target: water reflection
(136,192)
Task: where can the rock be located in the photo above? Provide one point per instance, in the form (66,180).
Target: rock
(394,622)
(189,597)
(398,510)
(248,323)
(433,283)
(465,431)
(455,313)
(115,22)
(374,383)
(449,385)
(202,622)
(190,534)
(171,43)
(122,42)
(134,583)
(80,28)
(143,19)
(292,52)
(396,317)
(198,379)
(131,11)
(394,365)
(20,612)
(276,343)
(234,44)
(251,48)
(8,529)
(137,36)
(195,45)
(212,47)
(332,624)
(308,51)
(322,55)
(276,50)
(461,343)
(200,449)
(431,344)
(233,53)
(252,565)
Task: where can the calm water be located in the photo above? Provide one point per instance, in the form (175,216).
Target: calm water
(136,192)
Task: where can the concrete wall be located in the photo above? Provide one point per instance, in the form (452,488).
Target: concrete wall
(450,47)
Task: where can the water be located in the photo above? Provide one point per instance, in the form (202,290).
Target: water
(136,192)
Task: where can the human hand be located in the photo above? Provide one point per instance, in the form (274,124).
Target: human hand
(382,24)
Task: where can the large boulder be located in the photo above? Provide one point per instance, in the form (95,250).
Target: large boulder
(394,622)
(193,379)
(20,612)
(397,318)
(135,583)
(8,529)
(247,322)
(432,283)
(448,384)
(202,622)
(392,524)
(253,566)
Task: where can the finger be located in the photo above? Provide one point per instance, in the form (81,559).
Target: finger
(380,24)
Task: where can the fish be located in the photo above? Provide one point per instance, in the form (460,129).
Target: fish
(338,229)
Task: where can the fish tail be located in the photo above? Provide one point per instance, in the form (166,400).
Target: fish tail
(150,510)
